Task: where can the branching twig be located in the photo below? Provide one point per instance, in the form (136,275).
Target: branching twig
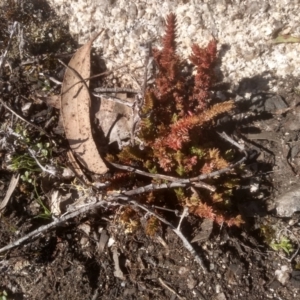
(108,201)
(34,234)
(219,172)
(196,181)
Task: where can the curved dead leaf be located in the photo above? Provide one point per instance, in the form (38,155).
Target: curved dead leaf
(75,110)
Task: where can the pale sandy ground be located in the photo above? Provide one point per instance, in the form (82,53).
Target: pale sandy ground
(244,30)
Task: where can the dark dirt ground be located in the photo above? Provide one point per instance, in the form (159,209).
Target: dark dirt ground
(95,256)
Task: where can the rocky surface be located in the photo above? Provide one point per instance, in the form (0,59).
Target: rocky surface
(244,29)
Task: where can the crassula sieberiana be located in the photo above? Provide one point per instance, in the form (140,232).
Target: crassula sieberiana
(177,132)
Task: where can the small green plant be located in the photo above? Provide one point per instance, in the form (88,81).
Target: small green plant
(177,136)
(43,149)
(27,165)
(23,132)
(284,244)
(26,177)
(3,295)
(23,162)
(47,213)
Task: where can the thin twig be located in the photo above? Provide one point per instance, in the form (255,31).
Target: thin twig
(196,181)
(183,215)
(77,74)
(34,234)
(137,171)
(140,98)
(164,177)
(46,170)
(169,289)
(153,187)
(116,90)
(53,79)
(230,140)
(175,211)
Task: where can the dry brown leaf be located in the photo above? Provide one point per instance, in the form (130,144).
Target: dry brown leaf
(116,119)
(75,110)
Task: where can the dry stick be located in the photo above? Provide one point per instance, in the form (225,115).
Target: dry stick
(169,289)
(81,80)
(98,90)
(230,140)
(196,181)
(116,90)
(34,234)
(123,195)
(163,177)
(152,187)
(87,208)
(84,209)
(185,242)
(183,215)
(219,172)
(139,104)
(107,90)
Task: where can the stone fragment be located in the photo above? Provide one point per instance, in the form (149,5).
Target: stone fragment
(288,203)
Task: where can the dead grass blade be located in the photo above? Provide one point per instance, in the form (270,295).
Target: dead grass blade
(12,185)
(75,110)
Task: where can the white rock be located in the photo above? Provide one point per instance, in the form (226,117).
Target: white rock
(246,27)
(283,275)
(288,203)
